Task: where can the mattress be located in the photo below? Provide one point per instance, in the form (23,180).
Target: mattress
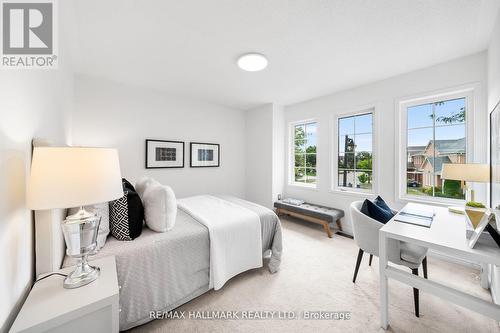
(161,271)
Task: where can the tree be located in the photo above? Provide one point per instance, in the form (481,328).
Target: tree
(303,160)
(364,178)
(300,137)
(457,117)
(364,160)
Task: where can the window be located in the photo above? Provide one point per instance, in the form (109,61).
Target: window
(435,135)
(304,153)
(355,152)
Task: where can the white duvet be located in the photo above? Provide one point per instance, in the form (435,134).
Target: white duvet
(235,236)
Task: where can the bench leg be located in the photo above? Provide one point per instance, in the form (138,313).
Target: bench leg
(326,226)
(339,225)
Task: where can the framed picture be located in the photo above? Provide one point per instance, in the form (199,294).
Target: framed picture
(495,157)
(204,155)
(164,154)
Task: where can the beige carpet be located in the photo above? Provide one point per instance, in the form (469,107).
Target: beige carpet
(316,274)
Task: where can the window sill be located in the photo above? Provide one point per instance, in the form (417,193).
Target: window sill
(432,201)
(361,194)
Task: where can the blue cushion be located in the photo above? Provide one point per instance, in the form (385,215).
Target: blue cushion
(364,208)
(375,212)
(381,203)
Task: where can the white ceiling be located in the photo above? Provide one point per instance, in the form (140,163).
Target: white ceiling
(314,47)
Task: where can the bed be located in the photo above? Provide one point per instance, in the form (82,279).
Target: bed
(153,272)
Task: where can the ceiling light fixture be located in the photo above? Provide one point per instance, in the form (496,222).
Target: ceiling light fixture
(252,62)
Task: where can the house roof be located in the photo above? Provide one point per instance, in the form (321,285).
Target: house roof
(416,150)
(449,146)
(436,162)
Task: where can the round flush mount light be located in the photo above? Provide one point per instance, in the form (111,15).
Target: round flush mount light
(252,62)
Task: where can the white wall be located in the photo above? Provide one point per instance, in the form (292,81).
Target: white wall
(115,115)
(259,155)
(382,95)
(33,104)
(279,149)
(265,154)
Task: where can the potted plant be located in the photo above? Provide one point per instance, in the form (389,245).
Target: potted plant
(475,211)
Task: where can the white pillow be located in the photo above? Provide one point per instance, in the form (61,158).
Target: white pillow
(142,185)
(160,207)
(101,210)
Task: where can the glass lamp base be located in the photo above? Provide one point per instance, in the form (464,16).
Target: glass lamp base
(82,275)
(80,233)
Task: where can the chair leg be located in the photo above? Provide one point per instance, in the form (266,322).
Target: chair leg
(370,262)
(358,262)
(415,294)
(424,265)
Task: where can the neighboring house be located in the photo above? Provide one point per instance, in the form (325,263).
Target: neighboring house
(426,162)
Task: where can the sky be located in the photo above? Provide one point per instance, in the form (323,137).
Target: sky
(361,126)
(420,122)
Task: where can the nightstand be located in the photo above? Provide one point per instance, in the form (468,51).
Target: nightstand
(91,308)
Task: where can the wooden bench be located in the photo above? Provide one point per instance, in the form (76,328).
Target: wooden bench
(322,215)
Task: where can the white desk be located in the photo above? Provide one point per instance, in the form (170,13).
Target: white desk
(446,235)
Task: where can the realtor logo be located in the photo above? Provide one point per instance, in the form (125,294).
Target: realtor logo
(28,36)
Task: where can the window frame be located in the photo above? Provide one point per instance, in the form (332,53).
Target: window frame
(335,142)
(291,152)
(402,105)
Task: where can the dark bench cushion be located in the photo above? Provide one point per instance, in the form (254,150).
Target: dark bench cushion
(324,213)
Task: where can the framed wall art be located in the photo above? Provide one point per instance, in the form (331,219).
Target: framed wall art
(495,157)
(204,155)
(164,154)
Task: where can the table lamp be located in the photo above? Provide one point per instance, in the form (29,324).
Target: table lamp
(64,177)
(470,172)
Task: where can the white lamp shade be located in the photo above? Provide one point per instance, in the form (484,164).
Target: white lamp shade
(467,172)
(64,177)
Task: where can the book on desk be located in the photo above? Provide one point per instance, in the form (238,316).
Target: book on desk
(417,215)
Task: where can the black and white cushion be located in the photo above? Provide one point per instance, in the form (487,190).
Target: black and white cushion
(126,214)
(118,216)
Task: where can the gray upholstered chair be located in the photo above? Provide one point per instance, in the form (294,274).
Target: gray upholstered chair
(365,231)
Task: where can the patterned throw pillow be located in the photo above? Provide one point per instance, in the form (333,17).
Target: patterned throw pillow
(118,218)
(126,215)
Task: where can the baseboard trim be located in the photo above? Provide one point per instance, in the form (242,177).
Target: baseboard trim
(343,234)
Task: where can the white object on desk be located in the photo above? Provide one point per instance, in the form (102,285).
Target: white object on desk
(446,235)
(480,228)
(416,214)
(91,308)
(415,220)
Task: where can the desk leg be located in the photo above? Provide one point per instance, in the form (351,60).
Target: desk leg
(384,292)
